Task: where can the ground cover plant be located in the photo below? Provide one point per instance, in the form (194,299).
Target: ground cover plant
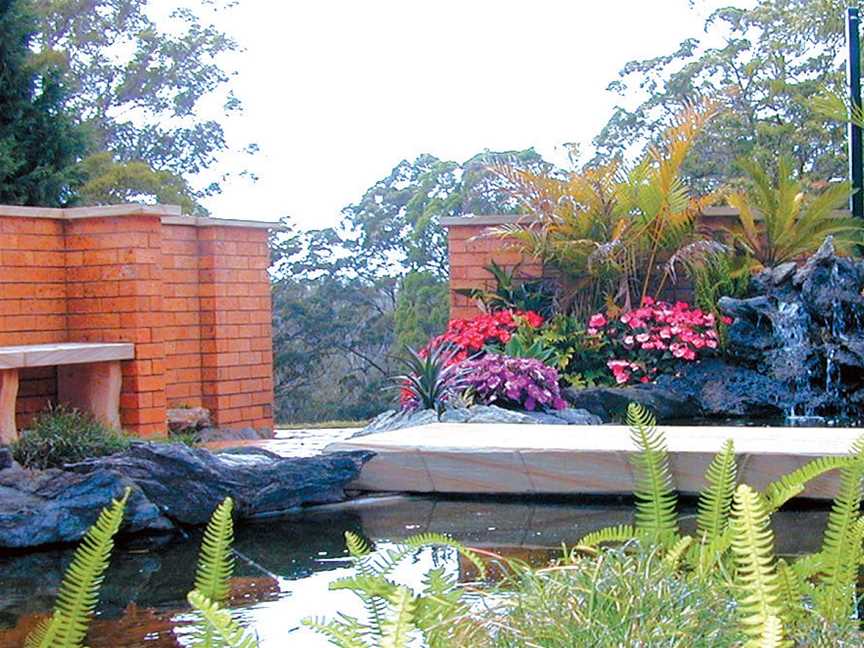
(61,435)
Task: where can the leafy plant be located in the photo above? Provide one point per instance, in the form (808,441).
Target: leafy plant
(526,344)
(395,614)
(79,591)
(470,336)
(580,356)
(516,382)
(778,222)
(607,229)
(513,293)
(433,378)
(61,435)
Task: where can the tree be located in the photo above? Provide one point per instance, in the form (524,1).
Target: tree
(773,59)
(138,87)
(39,143)
(347,300)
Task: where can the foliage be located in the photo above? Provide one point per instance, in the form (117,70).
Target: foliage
(215,560)
(607,229)
(777,222)
(39,144)
(470,336)
(764,63)
(524,383)
(395,614)
(79,591)
(422,308)
(654,338)
(513,293)
(222,630)
(137,85)
(433,378)
(525,343)
(580,356)
(61,435)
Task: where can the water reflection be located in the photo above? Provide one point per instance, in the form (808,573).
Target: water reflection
(284,566)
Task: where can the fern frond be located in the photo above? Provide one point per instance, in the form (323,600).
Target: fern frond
(79,591)
(791,591)
(772,634)
(715,501)
(655,496)
(358,547)
(345,633)
(672,558)
(778,492)
(396,630)
(619,533)
(215,558)
(221,629)
(752,545)
(366,584)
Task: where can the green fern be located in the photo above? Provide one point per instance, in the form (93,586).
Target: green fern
(673,557)
(220,627)
(655,496)
(841,544)
(791,591)
(215,559)
(772,635)
(613,534)
(79,591)
(790,485)
(397,628)
(752,545)
(715,501)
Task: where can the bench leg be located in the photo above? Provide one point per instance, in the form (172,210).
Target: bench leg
(93,388)
(8,396)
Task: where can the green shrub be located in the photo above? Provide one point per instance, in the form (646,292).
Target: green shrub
(61,435)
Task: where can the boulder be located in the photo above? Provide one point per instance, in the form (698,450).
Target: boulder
(186,484)
(6,459)
(610,403)
(39,507)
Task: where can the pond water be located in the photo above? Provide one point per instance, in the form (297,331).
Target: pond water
(284,566)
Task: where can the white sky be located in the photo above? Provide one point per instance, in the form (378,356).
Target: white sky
(337,92)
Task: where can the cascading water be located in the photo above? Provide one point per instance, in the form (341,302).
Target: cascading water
(803,327)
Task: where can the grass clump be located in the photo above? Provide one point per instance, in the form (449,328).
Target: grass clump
(62,435)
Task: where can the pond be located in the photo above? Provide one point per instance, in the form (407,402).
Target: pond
(284,566)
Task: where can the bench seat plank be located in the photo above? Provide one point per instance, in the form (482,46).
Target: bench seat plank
(46,355)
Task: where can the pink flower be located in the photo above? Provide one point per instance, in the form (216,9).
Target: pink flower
(597,321)
(643,337)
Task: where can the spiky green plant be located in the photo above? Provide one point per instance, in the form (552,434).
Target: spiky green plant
(653,490)
(223,630)
(432,378)
(753,548)
(79,591)
(394,613)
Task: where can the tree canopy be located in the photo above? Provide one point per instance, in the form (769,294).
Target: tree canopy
(39,142)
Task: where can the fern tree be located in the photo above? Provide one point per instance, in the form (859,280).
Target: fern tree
(79,591)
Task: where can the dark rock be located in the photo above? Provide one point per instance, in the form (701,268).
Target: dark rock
(610,403)
(207,434)
(187,484)
(397,420)
(6,460)
(39,507)
(718,389)
(577,416)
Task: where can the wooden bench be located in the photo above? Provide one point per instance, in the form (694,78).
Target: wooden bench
(88,378)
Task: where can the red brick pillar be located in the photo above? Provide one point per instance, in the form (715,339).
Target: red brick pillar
(114,294)
(236,338)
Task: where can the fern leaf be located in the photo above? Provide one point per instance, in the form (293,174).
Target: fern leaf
(715,501)
(752,545)
(619,533)
(345,633)
(215,560)
(672,558)
(841,544)
(357,546)
(778,492)
(79,591)
(219,624)
(396,631)
(791,591)
(772,634)
(655,496)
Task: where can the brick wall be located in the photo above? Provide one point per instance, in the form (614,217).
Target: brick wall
(193,295)
(470,251)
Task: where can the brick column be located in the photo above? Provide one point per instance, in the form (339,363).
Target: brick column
(236,338)
(114,294)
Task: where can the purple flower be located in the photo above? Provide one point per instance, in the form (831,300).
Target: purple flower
(518,382)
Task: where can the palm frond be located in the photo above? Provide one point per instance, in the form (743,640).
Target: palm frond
(79,590)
